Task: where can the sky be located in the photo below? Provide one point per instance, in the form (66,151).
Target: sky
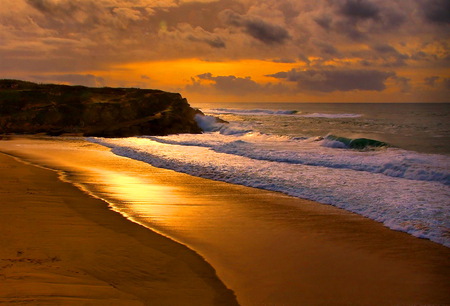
(235,50)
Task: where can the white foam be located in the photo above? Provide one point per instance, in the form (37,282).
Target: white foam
(335,116)
(406,191)
(267,112)
(212,124)
(250,112)
(324,153)
(333,144)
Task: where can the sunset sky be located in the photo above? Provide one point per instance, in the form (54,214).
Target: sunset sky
(235,50)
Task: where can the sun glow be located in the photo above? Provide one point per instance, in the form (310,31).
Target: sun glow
(147,199)
(139,197)
(178,73)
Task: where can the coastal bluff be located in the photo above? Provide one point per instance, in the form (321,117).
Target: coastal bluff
(30,108)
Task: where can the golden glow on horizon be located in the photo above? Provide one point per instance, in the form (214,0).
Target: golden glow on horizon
(179,72)
(175,75)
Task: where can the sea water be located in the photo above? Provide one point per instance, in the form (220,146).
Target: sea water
(305,151)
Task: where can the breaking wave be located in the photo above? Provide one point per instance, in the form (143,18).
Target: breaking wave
(267,112)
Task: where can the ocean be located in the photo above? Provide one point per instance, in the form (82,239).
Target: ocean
(386,162)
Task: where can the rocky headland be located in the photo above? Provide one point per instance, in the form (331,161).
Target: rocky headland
(30,108)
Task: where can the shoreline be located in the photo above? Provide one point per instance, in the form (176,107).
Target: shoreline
(63,246)
(338,257)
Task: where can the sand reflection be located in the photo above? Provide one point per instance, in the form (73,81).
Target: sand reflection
(141,195)
(146,201)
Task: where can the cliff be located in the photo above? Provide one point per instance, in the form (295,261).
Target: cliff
(29,108)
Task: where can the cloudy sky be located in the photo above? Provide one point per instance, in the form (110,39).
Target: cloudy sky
(235,50)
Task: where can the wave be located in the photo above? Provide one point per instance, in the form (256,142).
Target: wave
(250,112)
(267,112)
(234,139)
(331,116)
(321,152)
(356,143)
(317,173)
(214,124)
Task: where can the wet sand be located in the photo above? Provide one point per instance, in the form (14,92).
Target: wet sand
(60,246)
(269,248)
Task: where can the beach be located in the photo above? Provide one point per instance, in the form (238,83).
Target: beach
(65,246)
(60,246)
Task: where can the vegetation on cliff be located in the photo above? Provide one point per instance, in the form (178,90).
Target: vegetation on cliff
(29,108)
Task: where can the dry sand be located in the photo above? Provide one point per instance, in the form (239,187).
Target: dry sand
(59,246)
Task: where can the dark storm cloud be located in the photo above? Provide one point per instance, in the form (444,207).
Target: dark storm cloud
(283,75)
(106,27)
(326,48)
(447,84)
(54,7)
(403,83)
(384,48)
(216,42)
(262,30)
(361,19)
(266,32)
(324,21)
(303,58)
(431,81)
(437,82)
(390,56)
(362,9)
(284,60)
(64,15)
(231,83)
(108,31)
(437,11)
(337,80)
(288,9)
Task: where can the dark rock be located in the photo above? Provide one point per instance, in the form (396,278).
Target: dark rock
(29,108)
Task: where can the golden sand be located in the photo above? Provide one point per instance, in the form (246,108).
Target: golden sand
(63,245)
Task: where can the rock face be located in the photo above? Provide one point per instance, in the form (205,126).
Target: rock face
(29,108)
